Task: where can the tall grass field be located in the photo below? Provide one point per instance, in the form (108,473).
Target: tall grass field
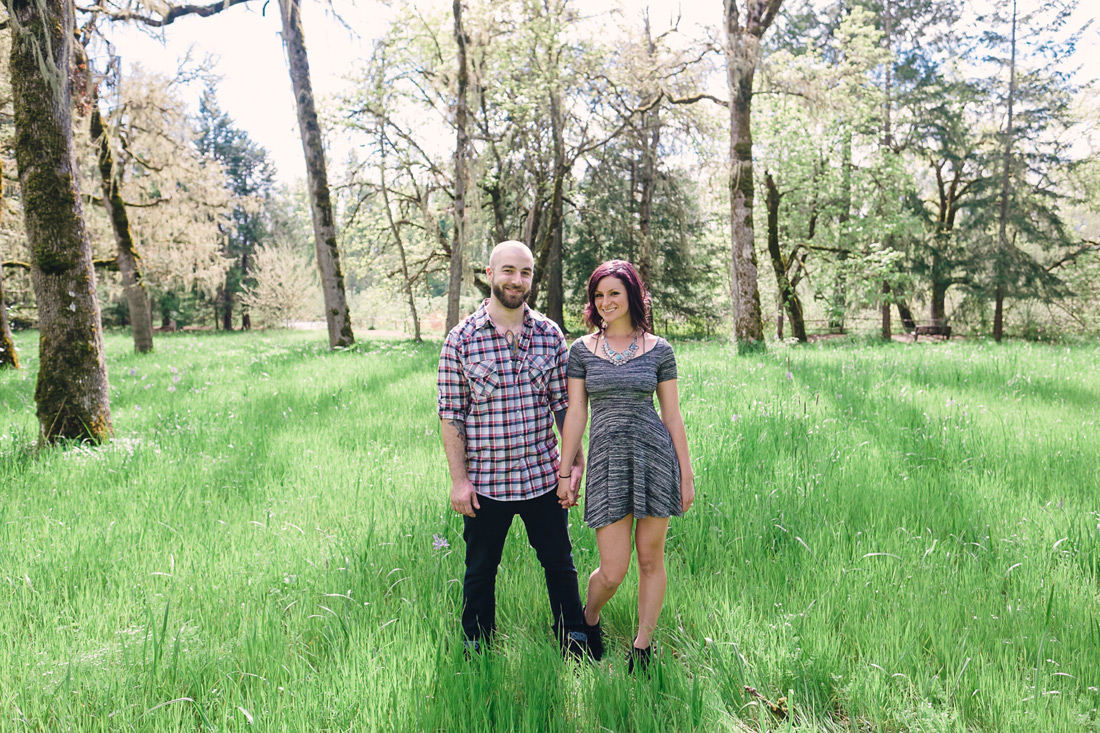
(886,538)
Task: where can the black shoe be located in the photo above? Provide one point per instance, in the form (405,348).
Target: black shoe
(595,639)
(574,644)
(638,659)
(473,647)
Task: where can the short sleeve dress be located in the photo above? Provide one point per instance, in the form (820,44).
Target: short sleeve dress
(632,466)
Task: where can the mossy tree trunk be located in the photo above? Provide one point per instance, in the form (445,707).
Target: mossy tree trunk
(71,392)
(129,261)
(324,222)
(743,34)
(8,355)
(788,298)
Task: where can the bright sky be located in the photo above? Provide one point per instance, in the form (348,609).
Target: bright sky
(255,88)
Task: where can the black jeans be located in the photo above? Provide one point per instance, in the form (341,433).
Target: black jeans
(548,533)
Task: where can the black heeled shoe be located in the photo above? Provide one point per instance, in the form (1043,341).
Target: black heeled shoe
(638,659)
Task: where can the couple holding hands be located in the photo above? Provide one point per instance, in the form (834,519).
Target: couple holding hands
(505,377)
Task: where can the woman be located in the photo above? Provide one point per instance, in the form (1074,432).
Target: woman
(639,471)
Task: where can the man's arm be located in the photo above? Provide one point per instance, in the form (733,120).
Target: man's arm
(453,399)
(463,497)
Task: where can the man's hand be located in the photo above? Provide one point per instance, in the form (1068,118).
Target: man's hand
(464,498)
(576,472)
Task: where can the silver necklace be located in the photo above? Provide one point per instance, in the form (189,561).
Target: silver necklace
(618,358)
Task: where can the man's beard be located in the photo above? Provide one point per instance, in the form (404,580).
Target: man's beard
(509,300)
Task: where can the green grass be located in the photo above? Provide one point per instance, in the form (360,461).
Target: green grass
(889,537)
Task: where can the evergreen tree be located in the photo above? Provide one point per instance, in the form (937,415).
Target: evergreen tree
(252,178)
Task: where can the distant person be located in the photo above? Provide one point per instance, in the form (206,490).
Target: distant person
(501,388)
(639,471)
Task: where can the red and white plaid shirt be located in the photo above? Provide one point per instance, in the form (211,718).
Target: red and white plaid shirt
(507,403)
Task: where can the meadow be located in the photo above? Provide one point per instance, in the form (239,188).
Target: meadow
(886,538)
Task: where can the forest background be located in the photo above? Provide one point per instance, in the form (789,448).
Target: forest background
(883,153)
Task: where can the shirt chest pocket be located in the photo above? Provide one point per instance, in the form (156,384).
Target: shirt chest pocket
(482,378)
(539,369)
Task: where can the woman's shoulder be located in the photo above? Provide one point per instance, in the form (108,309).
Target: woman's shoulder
(658,343)
(583,344)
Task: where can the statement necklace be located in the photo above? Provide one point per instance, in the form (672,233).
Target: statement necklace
(618,358)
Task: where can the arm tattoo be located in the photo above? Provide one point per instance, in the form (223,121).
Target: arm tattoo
(460,428)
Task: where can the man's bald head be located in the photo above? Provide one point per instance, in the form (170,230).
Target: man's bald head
(511,267)
(511,250)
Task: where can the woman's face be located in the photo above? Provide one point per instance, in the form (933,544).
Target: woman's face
(611,301)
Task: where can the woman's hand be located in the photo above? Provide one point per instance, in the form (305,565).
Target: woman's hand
(687,492)
(565,492)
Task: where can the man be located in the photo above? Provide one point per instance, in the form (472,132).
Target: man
(501,378)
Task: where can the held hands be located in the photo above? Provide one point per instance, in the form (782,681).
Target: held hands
(463,498)
(569,488)
(687,492)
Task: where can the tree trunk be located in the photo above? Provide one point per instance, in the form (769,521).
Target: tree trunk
(885,309)
(907,321)
(246,318)
(651,138)
(787,296)
(742,54)
(397,239)
(838,307)
(71,393)
(324,223)
(999,261)
(454,287)
(8,355)
(227,306)
(554,284)
(141,316)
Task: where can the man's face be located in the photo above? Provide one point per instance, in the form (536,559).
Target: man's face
(510,279)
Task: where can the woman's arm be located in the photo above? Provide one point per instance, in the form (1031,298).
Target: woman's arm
(572,429)
(668,397)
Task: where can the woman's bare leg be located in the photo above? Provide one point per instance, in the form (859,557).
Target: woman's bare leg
(613,542)
(649,539)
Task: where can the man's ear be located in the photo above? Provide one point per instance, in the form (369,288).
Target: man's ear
(489,272)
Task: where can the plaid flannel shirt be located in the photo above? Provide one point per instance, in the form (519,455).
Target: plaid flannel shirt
(506,403)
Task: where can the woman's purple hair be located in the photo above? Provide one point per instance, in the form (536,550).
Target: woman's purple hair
(637,296)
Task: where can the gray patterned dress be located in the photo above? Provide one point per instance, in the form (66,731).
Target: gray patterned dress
(632,466)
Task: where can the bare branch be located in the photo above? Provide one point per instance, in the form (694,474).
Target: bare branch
(174,12)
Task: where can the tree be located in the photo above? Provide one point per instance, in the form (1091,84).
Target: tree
(461,144)
(141,317)
(324,222)
(283,280)
(71,391)
(178,199)
(1036,102)
(743,34)
(252,179)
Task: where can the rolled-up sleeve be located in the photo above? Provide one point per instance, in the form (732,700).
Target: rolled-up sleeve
(559,395)
(451,383)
